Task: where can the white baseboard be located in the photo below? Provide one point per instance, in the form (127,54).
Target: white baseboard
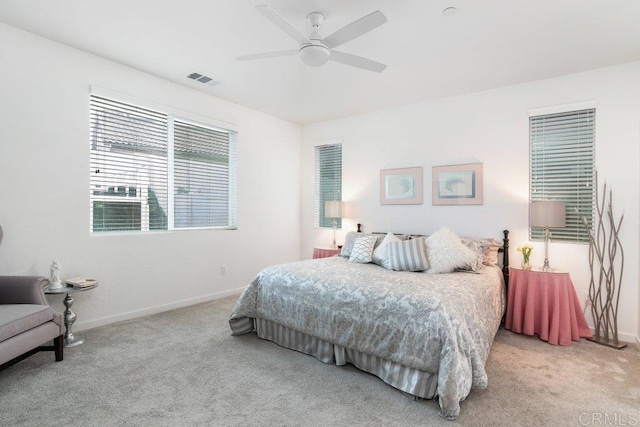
(629,338)
(90,324)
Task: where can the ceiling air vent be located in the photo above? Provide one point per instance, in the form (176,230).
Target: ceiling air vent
(203,79)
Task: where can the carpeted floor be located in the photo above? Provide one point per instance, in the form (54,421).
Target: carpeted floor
(183,368)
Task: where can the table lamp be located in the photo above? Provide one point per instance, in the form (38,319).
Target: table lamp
(547,215)
(333,209)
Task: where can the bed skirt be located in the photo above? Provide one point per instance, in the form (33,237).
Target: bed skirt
(415,382)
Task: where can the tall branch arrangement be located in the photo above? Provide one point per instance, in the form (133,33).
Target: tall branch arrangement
(606,259)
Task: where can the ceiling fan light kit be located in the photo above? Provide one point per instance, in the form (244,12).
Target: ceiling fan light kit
(314,55)
(316,51)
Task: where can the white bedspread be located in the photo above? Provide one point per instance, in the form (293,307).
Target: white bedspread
(442,323)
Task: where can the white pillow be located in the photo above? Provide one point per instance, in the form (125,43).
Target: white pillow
(446,252)
(381,253)
(362,249)
(408,255)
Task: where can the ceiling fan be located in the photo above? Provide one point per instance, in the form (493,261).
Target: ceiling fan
(315,50)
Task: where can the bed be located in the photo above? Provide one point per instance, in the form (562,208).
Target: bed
(428,335)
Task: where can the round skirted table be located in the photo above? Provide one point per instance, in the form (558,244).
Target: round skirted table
(545,304)
(325,252)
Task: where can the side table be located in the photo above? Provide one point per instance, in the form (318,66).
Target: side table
(325,252)
(69,315)
(546,304)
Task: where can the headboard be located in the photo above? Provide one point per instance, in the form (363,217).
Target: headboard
(504,250)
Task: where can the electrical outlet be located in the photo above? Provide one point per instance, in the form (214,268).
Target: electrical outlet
(223,270)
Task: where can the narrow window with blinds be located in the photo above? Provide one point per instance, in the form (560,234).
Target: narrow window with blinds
(562,164)
(151,171)
(328,186)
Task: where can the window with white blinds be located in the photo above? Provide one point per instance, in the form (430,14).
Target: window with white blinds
(153,171)
(203,158)
(328,165)
(562,164)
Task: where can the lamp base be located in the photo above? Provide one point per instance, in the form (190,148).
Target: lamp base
(545,266)
(335,227)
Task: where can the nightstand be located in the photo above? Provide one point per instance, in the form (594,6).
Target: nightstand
(69,315)
(325,252)
(545,304)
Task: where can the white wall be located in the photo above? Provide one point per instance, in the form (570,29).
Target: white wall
(44,182)
(492,128)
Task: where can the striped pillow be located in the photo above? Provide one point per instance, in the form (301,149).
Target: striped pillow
(408,255)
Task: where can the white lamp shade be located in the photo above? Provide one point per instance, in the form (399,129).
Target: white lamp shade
(333,209)
(547,214)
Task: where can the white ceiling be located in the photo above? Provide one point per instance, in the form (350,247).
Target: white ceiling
(486,44)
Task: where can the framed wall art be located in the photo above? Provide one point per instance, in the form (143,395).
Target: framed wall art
(401,186)
(457,184)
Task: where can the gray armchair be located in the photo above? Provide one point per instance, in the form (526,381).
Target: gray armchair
(26,320)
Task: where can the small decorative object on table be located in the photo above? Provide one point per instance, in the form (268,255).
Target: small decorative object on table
(55,282)
(526,253)
(82,283)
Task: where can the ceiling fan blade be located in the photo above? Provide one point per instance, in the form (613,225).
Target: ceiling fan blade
(283,24)
(357,61)
(267,55)
(355,29)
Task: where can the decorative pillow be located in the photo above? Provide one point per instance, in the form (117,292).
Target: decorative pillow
(381,253)
(479,247)
(408,255)
(446,252)
(491,255)
(362,249)
(349,240)
(379,238)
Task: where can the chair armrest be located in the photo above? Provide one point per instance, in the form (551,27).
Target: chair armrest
(23,290)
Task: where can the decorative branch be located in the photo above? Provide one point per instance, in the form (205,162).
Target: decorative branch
(604,286)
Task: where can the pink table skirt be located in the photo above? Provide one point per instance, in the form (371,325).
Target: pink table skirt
(545,304)
(325,252)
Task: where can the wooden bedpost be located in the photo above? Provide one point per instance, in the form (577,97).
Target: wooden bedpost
(505,271)
(505,257)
